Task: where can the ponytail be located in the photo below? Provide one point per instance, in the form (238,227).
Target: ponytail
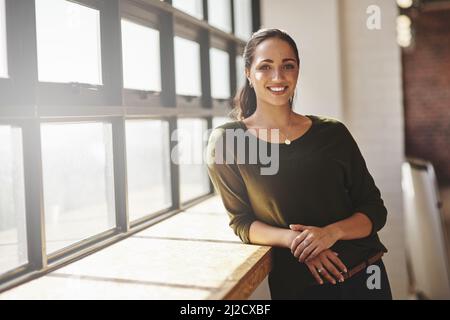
(244,102)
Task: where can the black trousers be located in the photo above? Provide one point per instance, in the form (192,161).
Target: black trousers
(371,283)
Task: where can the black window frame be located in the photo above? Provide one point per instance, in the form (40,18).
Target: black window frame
(189,31)
(208,120)
(75,94)
(140,14)
(228,47)
(27,103)
(174,205)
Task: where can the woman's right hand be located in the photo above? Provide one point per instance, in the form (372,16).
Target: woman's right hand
(326,265)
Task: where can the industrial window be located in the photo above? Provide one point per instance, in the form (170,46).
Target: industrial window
(243,19)
(187,67)
(13,236)
(141,57)
(192,7)
(148,167)
(3,52)
(78,182)
(240,71)
(92,93)
(217,121)
(219,14)
(68,42)
(193,175)
(220,74)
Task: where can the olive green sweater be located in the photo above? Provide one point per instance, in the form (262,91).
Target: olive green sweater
(321,178)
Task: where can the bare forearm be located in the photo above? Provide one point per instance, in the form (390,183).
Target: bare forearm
(355,227)
(263,234)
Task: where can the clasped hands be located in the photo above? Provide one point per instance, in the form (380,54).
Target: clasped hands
(312,247)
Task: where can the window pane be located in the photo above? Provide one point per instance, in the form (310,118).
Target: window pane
(220,73)
(148,167)
(13,237)
(243,18)
(78,182)
(193,7)
(193,175)
(217,121)
(240,72)
(3,55)
(219,14)
(68,42)
(141,58)
(187,67)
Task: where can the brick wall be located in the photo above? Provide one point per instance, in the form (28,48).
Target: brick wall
(426,73)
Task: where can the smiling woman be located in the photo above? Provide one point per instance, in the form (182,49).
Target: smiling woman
(321,209)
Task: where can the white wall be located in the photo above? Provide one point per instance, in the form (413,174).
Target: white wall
(314,27)
(354,74)
(374,113)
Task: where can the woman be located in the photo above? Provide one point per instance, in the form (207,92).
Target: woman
(321,210)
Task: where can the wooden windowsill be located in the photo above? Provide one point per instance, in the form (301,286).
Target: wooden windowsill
(193,255)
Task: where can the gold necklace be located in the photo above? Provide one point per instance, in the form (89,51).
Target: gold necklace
(287,141)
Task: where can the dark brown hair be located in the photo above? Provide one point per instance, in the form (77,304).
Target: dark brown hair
(245,98)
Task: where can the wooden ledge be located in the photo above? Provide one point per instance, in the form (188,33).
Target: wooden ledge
(247,277)
(191,256)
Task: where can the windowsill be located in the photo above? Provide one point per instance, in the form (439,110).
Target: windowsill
(193,255)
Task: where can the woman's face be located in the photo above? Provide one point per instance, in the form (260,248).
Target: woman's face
(274,72)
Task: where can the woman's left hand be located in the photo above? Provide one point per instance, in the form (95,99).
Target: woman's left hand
(311,241)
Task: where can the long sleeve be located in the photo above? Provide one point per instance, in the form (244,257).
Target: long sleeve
(229,184)
(322,178)
(365,196)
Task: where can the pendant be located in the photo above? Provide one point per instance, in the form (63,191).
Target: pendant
(287,141)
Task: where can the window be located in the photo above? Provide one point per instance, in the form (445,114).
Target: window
(243,19)
(220,73)
(240,72)
(194,181)
(159,66)
(219,14)
(13,238)
(187,67)
(192,7)
(78,182)
(148,167)
(217,121)
(68,42)
(3,52)
(141,58)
